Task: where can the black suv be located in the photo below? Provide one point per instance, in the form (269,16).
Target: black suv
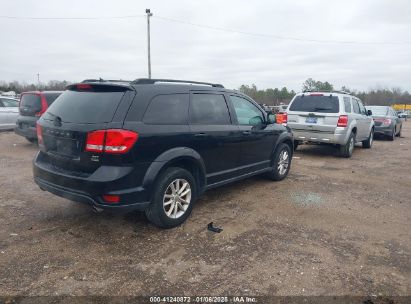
(155,145)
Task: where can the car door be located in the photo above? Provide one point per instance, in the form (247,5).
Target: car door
(360,119)
(258,138)
(367,120)
(8,113)
(214,136)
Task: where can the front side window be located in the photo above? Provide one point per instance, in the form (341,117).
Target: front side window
(347,104)
(362,108)
(209,109)
(171,109)
(247,113)
(10,103)
(355,106)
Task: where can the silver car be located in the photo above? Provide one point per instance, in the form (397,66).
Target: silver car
(330,118)
(9,110)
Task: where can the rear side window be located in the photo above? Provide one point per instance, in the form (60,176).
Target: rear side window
(31,101)
(85,107)
(51,97)
(362,108)
(313,103)
(347,104)
(210,109)
(169,109)
(355,106)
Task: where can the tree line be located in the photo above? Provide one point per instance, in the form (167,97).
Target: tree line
(270,96)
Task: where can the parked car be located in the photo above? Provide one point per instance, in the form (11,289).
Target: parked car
(402,115)
(330,118)
(386,120)
(155,145)
(32,106)
(9,109)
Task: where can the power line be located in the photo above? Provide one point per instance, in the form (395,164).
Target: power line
(70,18)
(277,36)
(215,28)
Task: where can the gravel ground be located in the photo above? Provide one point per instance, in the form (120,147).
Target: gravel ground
(334,227)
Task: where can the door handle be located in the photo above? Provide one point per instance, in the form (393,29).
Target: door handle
(247,132)
(200,135)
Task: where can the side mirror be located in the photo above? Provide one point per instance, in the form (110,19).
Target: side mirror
(369,112)
(271,118)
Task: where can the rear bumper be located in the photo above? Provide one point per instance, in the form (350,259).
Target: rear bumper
(383,130)
(89,190)
(339,137)
(26,126)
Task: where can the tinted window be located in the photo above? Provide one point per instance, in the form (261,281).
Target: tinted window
(85,107)
(167,110)
(362,108)
(310,103)
(210,109)
(247,113)
(347,104)
(355,106)
(31,101)
(50,97)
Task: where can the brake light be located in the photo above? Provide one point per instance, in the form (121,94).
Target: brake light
(316,94)
(39,134)
(342,121)
(114,141)
(282,118)
(384,121)
(111,198)
(83,86)
(44,105)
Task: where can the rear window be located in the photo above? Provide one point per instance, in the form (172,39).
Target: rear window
(383,111)
(51,97)
(310,103)
(85,107)
(31,101)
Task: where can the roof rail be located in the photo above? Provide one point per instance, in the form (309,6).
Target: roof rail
(324,91)
(153,81)
(106,80)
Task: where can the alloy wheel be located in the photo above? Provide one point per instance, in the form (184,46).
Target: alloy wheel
(177,198)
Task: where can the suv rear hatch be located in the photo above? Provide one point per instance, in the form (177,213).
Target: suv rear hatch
(69,123)
(315,112)
(31,104)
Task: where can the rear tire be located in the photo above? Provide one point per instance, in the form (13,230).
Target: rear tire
(347,149)
(281,163)
(399,133)
(170,208)
(366,144)
(392,136)
(296,144)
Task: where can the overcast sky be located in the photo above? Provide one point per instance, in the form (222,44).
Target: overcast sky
(117,48)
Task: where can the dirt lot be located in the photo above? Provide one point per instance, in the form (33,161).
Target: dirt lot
(333,227)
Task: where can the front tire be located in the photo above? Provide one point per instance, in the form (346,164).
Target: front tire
(347,149)
(366,144)
(173,198)
(399,133)
(281,163)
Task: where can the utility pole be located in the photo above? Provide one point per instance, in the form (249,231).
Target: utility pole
(38,81)
(149,14)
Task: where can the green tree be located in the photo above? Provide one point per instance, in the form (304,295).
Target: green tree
(313,85)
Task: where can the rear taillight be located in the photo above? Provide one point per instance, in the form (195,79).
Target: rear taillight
(83,86)
(114,141)
(44,106)
(342,121)
(39,134)
(282,118)
(384,121)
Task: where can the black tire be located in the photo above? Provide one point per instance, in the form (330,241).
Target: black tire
(366,144)
(277,172)
(346,150)
(392,136)
(32,140)
(399,133)
(156,212)
(296,144)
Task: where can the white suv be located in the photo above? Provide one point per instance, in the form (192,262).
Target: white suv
(330,117)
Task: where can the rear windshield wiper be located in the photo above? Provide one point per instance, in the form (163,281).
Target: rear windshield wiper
(322,109)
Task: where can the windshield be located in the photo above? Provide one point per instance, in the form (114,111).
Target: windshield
(382,111)
(315,103)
